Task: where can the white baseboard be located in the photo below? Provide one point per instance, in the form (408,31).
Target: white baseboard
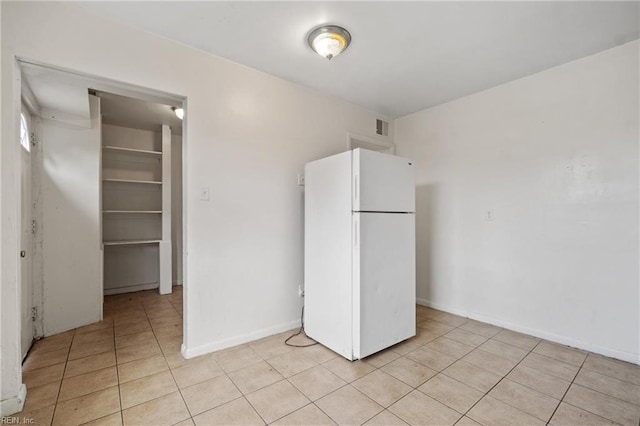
(237,340)
(177,283)
(557,338)
(14,404)
(129,289)
(424,302)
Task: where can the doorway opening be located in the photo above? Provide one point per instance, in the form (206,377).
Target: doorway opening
(373,144)
(26,232)
(104,177)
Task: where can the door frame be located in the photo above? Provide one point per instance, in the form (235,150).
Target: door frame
(355,140)
(27,243)
(10,231)
(37,278)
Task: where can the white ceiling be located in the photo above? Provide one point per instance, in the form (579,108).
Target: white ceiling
(65,96)
(405,56)
(57,92)
(138,114)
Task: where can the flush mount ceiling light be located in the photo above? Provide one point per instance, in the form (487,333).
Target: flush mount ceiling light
(179,112)
(329,41)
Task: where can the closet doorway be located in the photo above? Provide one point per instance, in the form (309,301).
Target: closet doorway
(107,183)
(141,194)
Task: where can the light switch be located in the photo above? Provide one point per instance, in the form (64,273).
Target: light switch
(204,193)
(300,179)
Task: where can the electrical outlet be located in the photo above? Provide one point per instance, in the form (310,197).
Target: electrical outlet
(300,291)
(204,193)
(489,216)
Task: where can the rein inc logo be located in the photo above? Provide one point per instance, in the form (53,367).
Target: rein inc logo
(11,420)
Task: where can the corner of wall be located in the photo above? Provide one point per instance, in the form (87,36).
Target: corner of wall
(236,340)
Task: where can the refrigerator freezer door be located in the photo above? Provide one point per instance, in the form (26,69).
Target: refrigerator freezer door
(384,281)
(382,182)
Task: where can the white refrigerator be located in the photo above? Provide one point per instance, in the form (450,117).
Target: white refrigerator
(359,259)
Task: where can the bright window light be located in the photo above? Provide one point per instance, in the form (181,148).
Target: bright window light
(24,132)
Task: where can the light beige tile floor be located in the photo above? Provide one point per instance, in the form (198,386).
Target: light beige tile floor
(128,370)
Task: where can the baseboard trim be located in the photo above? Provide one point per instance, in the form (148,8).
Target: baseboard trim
(237,340)
(130,289)
(557,338)
(14,404)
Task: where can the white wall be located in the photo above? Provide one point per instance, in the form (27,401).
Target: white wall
(554,158)
(248,134)
(12,391)
(128,137)
(71,240)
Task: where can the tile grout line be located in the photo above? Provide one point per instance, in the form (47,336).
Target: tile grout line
(604,394)
(115,350)
(127,382)
(146,314)
(66,362)
(567,391)
(540,340)
(522,384)
(608,376)
(306,405)
(263,359)
(118,364)
(421,344)
(335,390)
(283,379)
(320,408)
(249,401)
(594,390)
(597,415)
(467,319)
(316,364)
(413,388)
(497,383)
(458,359)
(165,360)
(530,351)
(96,391)
(115,354)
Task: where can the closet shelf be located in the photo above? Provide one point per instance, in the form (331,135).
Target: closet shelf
(151,182)
(133,211)
(129,242)
(131,150)
(136,209)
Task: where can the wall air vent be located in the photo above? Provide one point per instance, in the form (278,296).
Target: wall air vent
(382,127)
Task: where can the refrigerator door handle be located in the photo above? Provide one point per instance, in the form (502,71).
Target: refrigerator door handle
(355,189)
(355,235)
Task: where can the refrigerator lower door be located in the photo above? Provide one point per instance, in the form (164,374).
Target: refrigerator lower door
(384,290)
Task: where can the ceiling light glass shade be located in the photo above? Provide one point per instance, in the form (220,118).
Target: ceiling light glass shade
(329,41)
(179,112)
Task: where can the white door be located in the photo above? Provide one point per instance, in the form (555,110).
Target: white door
(382,182)
(26,237)
(385,281)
